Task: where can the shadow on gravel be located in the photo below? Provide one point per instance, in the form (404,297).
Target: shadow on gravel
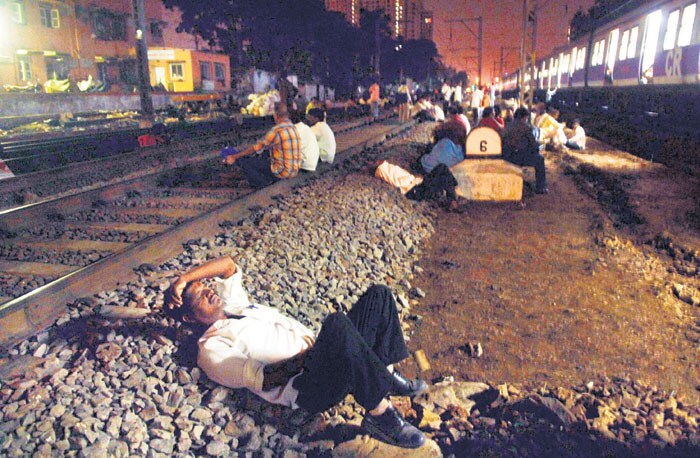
(609,191)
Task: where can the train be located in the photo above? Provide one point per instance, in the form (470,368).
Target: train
(642,43)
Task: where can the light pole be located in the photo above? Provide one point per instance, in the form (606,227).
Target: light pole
(142,59)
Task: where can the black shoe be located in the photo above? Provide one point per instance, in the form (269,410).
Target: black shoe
(390,427)
(542,191)
(406,387)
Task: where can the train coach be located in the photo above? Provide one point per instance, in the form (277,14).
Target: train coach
(641,43)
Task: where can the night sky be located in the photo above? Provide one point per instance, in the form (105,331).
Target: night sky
(502,27)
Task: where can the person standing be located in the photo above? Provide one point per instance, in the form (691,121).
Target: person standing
(282,156)
(446,92)
(287,91)
(458,94)
(403,98)
(374,96)
(477,97)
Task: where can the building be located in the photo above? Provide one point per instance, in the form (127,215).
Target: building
(426,25)
(60,39)
(405,16)
(186,70)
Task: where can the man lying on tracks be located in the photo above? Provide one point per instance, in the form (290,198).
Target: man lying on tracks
(281,161)
(255,347)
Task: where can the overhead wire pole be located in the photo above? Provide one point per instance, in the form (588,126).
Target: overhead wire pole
(479,35)
(532,16)
(523,54)
(142,59)
(503,57)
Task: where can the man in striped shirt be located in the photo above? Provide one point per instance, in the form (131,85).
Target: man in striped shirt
(282,157)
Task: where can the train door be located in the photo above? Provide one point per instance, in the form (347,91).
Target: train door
(652,27)
(612,55)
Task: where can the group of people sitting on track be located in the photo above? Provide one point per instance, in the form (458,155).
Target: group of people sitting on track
(293,144)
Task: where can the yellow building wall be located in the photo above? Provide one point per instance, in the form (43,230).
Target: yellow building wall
(179,56)
(161,60)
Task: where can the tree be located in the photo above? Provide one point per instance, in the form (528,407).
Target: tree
(302,38)
(583,23)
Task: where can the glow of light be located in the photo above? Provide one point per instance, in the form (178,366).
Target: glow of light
(22,52)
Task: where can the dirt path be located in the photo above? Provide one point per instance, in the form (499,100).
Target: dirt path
(577,285)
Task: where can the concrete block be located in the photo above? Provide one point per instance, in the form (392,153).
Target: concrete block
(489,180)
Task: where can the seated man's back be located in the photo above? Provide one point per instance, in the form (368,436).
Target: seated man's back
(324,135)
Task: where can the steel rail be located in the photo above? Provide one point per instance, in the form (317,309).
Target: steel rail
(26,315)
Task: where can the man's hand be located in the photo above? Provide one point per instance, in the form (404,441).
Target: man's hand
(278,374)
(173,295)
(230,160)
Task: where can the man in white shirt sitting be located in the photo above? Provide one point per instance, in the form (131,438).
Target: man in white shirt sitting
(308,145)
(578,140)
(324,134)
(256,347)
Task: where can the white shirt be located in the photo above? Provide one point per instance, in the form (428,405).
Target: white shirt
(446,91)
(309,147)
(234,351)
(579,137)
(326,141)
(477,96)
(439,114)
(458,94)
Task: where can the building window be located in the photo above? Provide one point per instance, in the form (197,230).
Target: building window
(50,17)
(220,73)
(205,70)
(103,72)
(17,12)
(57,68)
(177,71)
(128,72)
(156,32)
(24,67)
(109,26)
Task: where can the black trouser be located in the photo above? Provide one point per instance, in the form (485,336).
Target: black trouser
(256,170)
(535,160)
(351,354)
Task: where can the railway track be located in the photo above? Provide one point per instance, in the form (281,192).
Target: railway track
(64,248)
(30,154)
(36,186)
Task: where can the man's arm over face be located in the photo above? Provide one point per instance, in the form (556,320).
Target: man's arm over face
(223,267)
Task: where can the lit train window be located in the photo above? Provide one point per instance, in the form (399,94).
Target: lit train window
(612,47)
(581,60)
(601,52)
(572,61)
(652,27)
(631,50)
(671,29)
(624,42)
(687,20)
(594,59)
